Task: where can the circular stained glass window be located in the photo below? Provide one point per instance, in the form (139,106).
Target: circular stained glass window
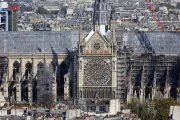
(97,72)
(97,46)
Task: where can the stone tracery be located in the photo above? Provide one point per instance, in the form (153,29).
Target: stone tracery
(97,72)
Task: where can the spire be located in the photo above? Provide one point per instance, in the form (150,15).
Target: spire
(100,16)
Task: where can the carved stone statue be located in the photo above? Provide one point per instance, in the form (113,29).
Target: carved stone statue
(114,96)
(80,94)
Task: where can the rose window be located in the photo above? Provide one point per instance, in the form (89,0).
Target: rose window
(97,72)
(97,46)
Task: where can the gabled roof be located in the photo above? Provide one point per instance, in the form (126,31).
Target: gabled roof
(162,42)
(89,35)
(31,42)
(92,33)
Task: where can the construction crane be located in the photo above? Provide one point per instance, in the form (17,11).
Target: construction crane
(141,34)
(154,15)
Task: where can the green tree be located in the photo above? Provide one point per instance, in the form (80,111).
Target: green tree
(143,110)
(133,106)
(146,112)
(162,107)
(154,110)
(42,10)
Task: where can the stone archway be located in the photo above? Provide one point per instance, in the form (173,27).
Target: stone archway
(24,90)
(174,80)
(26,80)
(12,91)
(148,92)
(34,91)
(16,71)
(62,70)
(28,71)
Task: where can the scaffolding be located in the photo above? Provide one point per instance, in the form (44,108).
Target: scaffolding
(121,75)
(44,79)
(147,70)
(140,68)
(75,64)
(159,71)
(3,69)
(123,54)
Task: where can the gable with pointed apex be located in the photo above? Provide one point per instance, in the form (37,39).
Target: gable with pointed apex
(97,44)
(99,36)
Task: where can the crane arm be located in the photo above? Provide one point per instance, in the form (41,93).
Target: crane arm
(154,15)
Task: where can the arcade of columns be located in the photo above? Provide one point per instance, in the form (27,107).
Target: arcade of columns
(20,80)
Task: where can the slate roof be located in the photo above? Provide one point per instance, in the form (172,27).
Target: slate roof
(162,42)
(38,42)
(31,42)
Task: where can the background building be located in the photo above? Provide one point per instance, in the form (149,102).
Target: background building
(8,16)
(4,17)
(126,65)
(13,9)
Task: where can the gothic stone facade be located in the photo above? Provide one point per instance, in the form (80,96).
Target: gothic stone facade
(20,80)
(97,67)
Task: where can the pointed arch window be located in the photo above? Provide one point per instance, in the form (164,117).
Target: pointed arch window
(16,70)
(97,7)
(28,70)
(102,6)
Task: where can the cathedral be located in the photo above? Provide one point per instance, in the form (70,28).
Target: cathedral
(103,64)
